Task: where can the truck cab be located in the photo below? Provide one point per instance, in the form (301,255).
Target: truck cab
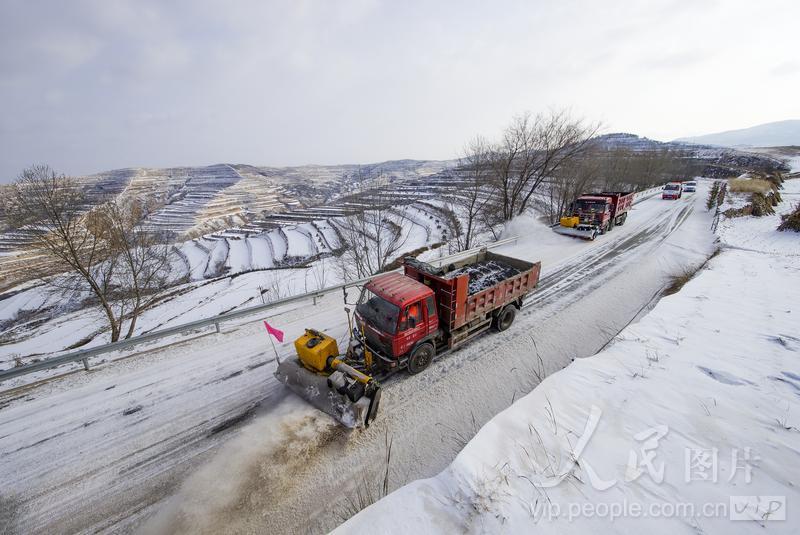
(592,210)
(394,314)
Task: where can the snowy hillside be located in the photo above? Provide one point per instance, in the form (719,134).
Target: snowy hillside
(777,134)
(212,274)
(689,422)
(189,202)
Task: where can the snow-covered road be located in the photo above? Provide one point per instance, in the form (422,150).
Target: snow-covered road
(105,450)
(701,398)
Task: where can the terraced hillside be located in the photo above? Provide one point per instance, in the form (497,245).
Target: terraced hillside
(189,202)
(211,274)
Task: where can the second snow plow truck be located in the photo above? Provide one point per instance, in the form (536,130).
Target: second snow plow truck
(596,213)
(402,322)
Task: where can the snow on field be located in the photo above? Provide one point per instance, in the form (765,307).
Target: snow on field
(29,297)
(61,332)
(758,233)
(300,243)
(238,256)
(197,257)
(190,302)
(210,299)
(317,238)
(180,267)
(328,234)
(260,252)
(689,422)
(216,261)
(418,230)
(279,244)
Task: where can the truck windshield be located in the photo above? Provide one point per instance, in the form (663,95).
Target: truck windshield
(378,312)
(590,206)
(671,186)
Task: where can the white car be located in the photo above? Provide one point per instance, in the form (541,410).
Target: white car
(690,186)
(673,191)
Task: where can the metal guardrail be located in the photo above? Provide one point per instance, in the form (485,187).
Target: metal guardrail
(83,355)
(646,194)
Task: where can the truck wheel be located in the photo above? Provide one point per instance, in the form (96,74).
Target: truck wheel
(504,320)
(421,358)
(610,225)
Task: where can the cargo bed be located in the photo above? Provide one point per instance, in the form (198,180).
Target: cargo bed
(474,287)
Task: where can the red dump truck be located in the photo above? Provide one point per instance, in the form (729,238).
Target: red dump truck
(408,318)
(402,321)
(596,213)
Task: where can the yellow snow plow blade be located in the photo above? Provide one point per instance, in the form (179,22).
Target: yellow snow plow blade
(329,383)
(571,221)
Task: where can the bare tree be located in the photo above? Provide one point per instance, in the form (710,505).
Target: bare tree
(144,257)
(102,250)
(575,177)
(372,239)
(623,168)
(532,150)
(50,207)
(474,195)
(319,272)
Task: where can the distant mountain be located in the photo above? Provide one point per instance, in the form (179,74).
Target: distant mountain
(624,140)
(777,134)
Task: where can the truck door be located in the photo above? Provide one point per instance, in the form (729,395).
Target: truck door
(431,318)
(412,327)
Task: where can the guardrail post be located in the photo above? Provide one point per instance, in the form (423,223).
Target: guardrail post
(85,364)
(315,300)
(216,326)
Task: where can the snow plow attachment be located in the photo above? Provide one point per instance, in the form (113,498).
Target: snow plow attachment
(325,380)
(587,232)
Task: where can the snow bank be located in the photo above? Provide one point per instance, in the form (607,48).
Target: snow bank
(689,422)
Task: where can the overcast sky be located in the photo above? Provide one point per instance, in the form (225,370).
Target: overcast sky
(88,86)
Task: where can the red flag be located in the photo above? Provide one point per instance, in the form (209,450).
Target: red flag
(277,333)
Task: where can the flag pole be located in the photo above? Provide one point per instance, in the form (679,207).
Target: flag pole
(269,335)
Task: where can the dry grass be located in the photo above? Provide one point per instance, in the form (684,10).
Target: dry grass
(755,185)
(791,221)
(678,281)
